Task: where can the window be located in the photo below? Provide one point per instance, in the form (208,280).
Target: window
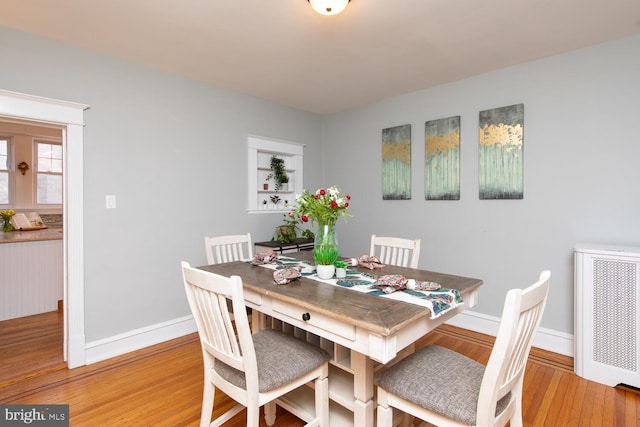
(49,173)
(4,171)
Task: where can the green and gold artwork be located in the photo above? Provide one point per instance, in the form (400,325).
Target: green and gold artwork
(442,159)
(501,145)
(396,163)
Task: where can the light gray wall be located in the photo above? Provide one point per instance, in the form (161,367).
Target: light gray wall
(173,151)
(582,171)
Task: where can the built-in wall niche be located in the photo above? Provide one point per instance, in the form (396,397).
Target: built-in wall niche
(263,196)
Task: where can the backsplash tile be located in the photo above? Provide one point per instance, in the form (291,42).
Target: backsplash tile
(52,220)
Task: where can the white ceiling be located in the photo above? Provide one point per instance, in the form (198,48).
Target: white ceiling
(281,50)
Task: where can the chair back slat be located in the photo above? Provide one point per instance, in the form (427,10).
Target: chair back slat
(236,247)
(396,251)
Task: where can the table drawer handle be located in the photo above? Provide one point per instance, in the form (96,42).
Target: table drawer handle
(306,316)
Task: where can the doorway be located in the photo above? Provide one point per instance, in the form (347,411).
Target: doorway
(31,272)
(70,117)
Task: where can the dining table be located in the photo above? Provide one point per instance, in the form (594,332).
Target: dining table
(362,332)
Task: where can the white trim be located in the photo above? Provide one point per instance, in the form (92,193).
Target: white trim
(120,344)
(546,339)
(71,116)
(117,345)
(23,106)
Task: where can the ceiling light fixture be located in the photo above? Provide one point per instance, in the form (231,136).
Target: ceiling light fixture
(329,7)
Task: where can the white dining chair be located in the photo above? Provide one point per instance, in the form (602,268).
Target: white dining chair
(254,370)
(235,247)
(445,388)
(396,251)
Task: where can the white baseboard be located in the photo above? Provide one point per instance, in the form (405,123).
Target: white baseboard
(546,339)
(139,338)
(96,351)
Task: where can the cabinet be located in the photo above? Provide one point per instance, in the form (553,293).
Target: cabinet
(262,196)
(31,277)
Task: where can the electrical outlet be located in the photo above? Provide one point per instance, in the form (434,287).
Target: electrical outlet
(110,202)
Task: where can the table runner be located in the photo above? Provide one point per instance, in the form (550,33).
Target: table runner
(437,301)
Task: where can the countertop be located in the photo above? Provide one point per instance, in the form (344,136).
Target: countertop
(31,236)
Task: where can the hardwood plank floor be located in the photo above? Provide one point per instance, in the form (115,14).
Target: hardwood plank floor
(162,385)
(18,340)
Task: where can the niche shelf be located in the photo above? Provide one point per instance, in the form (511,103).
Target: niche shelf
(260,198)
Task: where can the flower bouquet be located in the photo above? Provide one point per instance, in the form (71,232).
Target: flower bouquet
(323,207)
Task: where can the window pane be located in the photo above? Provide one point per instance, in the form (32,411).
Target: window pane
(4,172)
(49,177)
(56,151)
(49,158)
(44,164)
(4,188)
(49,189)
(4,154)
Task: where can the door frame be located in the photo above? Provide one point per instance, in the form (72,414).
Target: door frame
(70,116)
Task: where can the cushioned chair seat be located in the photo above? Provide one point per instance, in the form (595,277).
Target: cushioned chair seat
(280,360)
(440,380)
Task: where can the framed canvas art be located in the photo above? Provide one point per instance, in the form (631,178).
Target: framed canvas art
(396,163)
(442,159)
(501,149)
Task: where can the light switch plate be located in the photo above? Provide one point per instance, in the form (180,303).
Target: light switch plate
(110,202)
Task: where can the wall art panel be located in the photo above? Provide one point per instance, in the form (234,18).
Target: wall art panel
(396,163)
(501,149)
(442,159)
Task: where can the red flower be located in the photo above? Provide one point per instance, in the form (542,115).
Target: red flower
(333,204)
(322,192)
(348,197)
(346,204)
(316,196)
(304,218)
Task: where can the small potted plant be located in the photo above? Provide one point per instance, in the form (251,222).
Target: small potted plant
(288,230)
(341,269)
(278,172)
(325,259)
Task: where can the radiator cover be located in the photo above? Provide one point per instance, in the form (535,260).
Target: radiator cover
(606,314)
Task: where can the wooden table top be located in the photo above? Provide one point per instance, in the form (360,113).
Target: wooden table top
(379,315)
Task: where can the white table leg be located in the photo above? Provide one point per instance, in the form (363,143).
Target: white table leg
(364,405)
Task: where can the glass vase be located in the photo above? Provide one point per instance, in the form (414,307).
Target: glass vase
(6,224)
(325,249)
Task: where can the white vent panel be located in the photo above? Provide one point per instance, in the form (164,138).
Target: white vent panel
(607,328)
(614,314)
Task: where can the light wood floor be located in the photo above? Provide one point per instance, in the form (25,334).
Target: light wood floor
(162,385)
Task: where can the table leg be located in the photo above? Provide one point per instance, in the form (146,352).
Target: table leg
(270,413)
(364,406)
